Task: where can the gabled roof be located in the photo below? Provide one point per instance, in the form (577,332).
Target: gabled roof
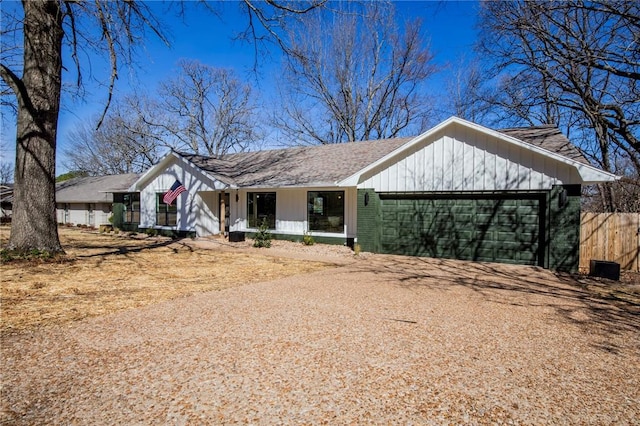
(321,165)
(93,189)
(548,137)
(343,164)
(542,140)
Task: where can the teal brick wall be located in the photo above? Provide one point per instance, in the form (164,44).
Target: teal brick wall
(564,228)
(369,221)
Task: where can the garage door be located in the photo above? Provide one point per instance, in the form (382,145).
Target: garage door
(496,228)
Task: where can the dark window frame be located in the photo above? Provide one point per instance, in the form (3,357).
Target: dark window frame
(267,206)
(325,211)
(166,214)
(131,211)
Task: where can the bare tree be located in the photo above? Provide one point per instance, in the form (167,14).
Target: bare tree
(45,27)
(574,64)
(208,110)
(122,144)
(353,76)
(201,109)
(113,28)
(6,167)
(464,91)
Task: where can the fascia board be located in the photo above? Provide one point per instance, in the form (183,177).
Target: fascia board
(162,164)
(588,174)
(354,179)
(208,175)
(152,171)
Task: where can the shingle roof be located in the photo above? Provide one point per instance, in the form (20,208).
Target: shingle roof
(324,165)
(93,189)
(548,137)
(6,193)
(321,165)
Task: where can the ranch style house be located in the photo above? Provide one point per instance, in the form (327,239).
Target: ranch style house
(459,190)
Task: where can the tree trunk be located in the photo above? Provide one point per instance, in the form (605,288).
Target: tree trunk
(34,207)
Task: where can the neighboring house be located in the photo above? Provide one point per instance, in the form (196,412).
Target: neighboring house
(459,190)
(6,202)
(88,200)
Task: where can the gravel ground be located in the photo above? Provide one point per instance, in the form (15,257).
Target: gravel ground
(377,340)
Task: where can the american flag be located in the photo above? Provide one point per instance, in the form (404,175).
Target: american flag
(176,189)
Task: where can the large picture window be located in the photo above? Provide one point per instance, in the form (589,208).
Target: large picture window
(261,206)
(131,203)
(166,214)
(325,211)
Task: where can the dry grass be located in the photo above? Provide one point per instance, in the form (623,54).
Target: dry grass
(104,273)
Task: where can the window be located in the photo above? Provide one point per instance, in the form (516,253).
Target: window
(325,211)
(131,211)
(166,214)
(261,206)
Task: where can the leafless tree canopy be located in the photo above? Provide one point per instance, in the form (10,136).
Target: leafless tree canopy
(353,75)
(574,64)
(124,143)
(111,28)
(208,110)
(200,109)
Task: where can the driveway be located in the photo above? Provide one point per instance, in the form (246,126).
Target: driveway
(380,340)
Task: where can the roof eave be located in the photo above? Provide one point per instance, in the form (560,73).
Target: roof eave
(138,184)
(354,179)
(588,173)
(135,187)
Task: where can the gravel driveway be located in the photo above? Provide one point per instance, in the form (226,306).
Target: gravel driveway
(382,340)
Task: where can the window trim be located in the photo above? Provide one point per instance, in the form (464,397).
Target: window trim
(312,205)
(256,225)
(167,211)
(129,212)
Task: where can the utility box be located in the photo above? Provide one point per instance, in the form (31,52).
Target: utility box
(236,236)
(605,269)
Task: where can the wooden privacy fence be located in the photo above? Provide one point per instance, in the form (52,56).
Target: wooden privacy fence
(614,237)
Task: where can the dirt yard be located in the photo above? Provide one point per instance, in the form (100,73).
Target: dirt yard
(371,339)
(105,273)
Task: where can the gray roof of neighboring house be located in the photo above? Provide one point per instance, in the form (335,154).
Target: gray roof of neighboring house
(548,137)
(323,165)
(93,189)
(6,193)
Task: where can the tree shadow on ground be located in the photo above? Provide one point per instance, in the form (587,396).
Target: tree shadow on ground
(595,305)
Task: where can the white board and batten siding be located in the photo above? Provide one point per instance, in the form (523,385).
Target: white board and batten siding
(291,211)
(197,206)
(465,160)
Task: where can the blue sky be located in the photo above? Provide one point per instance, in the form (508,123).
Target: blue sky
(449,25)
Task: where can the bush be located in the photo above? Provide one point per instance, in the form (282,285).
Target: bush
(263,236)
(151,232)
(308,240)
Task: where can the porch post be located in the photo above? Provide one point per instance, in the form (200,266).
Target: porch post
(223,211)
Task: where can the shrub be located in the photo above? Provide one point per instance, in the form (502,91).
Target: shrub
(263,236)
(308,240)
(151,232)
